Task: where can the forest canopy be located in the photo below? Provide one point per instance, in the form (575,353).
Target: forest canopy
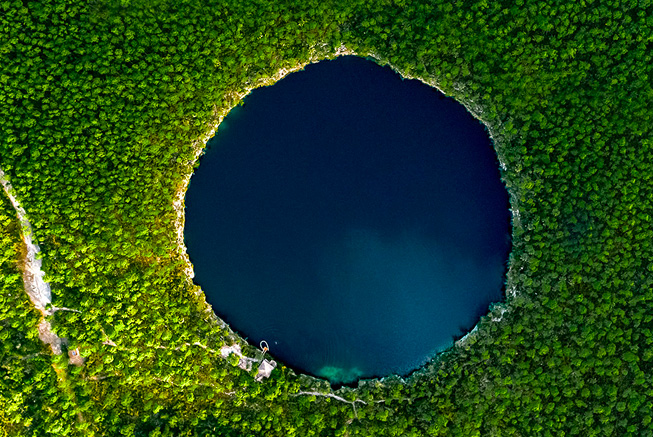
(105,106)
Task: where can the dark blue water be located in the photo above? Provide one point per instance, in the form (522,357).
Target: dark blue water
(355,221)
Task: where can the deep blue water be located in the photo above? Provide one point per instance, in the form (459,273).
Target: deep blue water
(354,220)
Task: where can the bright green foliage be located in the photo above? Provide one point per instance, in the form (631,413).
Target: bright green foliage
(101,108)
(27,379)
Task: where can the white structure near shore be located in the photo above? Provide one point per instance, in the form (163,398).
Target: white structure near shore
(265,369)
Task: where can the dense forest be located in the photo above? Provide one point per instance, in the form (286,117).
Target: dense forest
(105,105)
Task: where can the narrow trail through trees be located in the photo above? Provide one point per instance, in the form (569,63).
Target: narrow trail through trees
(36,288)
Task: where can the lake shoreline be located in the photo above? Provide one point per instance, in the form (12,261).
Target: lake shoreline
(199,148)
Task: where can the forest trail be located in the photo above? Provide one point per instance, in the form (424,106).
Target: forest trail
(36,288)
(333,396)
(328,395)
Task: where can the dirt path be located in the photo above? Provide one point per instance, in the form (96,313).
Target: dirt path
(36,288)
(333,396)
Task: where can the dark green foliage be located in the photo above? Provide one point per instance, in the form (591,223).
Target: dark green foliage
(103,103)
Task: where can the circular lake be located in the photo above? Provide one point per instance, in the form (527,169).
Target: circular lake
(355,221)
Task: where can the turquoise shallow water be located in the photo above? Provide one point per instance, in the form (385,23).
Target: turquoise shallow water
(355,221)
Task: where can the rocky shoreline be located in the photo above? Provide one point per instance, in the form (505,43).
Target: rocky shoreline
(198,147)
